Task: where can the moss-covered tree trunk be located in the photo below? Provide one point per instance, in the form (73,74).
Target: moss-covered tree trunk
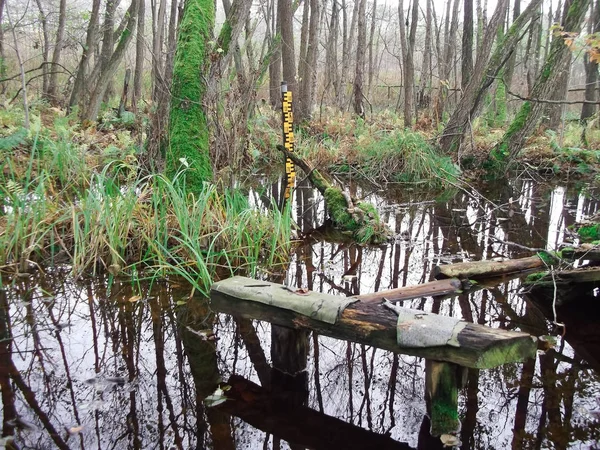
(188,129)
(529,114)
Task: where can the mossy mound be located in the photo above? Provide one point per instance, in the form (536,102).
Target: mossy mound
(589,233)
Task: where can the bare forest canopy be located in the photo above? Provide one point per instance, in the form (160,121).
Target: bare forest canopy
(447,66)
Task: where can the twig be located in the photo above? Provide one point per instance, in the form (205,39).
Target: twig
(553,102)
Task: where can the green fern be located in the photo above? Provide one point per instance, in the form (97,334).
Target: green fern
(12,141)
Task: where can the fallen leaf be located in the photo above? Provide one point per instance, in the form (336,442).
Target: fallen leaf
(135,298)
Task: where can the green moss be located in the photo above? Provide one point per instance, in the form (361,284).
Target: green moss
(225,37)
(188,129)
(548,258)
(589,232)
(338,210)
(533,277)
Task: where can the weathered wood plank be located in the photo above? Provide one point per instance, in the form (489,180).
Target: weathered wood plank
(483,269)
(372,324)
(433,288)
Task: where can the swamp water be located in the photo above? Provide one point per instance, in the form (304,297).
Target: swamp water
(95,364)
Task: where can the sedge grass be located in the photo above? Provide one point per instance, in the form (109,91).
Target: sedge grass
(112,220)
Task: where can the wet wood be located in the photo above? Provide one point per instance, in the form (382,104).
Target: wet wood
(585,251)
(442,381)
(431,289)
(373,324)
(298,425)
(483,269)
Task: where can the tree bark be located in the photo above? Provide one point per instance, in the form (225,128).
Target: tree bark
(347,48)
(484,74)
(591,72)
(371,44)
(446,64)
(308,60)
(467,44)
(510,65)
(288,54)
(359,72)
(140,47)
(58,45)
(424,96)
(110,67)
(529,114)
(46,47)
(275,61)
(88,50)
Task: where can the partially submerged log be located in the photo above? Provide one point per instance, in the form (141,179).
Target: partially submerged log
(359,218)
(476,346)
(485,269)
(585,252)
(298,425)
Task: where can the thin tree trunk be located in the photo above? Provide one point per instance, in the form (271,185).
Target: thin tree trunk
(510,65)
(591,72)
(21,70)
(467,44)
(140,47)
(371,46)
(2,54)
(409,68)
(46,50)
(546,83)
(347,48)
(331,55)
(425,83)
(485,73)
(90,42)
(360,59)
(158,29)
(110,67)
(58,45)
(446,65)
(288,55)
(275,61)
(301,106)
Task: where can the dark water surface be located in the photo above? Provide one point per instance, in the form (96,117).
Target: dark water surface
(91,364)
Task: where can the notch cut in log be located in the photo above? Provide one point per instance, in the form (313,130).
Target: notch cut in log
(359,218)
(484,269)
(372,324)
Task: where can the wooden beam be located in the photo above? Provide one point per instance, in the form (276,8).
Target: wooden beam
(296,424)
(431,289)
(484,269)
(372,324)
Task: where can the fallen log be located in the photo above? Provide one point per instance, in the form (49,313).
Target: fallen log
(296,424)
(475,346)
(347,214)
(431,289)
(585,251)
(484,269)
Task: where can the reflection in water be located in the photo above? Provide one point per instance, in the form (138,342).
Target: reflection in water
(118,364)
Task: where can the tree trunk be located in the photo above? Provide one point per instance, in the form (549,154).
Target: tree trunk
(467,44)
(591,73)
(2,54)
(347,48)
(88,50)
(140,46)
(446,64)
(331,55)
(371,44)
(46,47)
(484,74)
(108,45)
(510,65)
(188,130)
(308,59)
(529,114)
(288,55)
(424,96)
(360,59)
(106,74)
(58,45)
(275,62)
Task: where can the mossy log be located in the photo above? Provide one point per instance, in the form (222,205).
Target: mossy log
(485,269)
(372,324)
(273,413)
(442,381)
(585,251)
(347,214)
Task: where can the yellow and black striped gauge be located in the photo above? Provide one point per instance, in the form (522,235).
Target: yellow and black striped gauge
(287,118)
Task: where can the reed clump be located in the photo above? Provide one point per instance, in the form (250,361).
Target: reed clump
(64,203)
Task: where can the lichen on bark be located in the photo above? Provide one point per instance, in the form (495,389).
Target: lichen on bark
(188,146)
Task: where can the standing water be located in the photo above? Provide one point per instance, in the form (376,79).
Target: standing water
(110,363)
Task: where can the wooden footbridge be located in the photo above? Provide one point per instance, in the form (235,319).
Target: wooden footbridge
(448,344)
